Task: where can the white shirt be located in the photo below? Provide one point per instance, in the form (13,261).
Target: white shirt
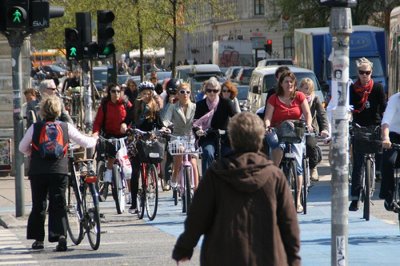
(391,116)
(73,133)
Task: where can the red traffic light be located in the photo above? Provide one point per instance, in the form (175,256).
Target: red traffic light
(269,42)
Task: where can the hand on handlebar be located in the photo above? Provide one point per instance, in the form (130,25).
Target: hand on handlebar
(386,144)
(200,133)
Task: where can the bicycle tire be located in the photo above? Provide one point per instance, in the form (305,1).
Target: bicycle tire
(101,169)
(93,218)
(140,198)
(175,195)
(187,189)
(306,178)
(366,189)
(117,190)
(151,192)
(74,214)
(293,180)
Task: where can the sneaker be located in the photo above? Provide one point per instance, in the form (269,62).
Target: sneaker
(38,245)
(107,176)
(133,210)
(353,206)
(391,206)
(314,174)
(62,244)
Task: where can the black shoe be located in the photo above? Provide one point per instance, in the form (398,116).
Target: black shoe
(62,244)
(391,206)
(353,206)
(38,245)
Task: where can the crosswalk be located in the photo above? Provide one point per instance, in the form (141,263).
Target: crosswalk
(12,251)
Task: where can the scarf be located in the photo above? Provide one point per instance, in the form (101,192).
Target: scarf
(363,91)
(204,122)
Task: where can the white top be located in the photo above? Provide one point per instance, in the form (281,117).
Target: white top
(73,134)
(391,116)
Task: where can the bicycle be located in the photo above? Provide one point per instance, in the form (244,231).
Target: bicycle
(396,190)
(185,146)
(150,149)
(118,181)
(366,140)
(83,215)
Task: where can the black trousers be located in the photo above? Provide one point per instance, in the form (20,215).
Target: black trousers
(389,158)
(53,185)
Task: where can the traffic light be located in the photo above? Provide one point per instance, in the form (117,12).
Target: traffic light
(338,3)
(73,44)
(41,12)
(268,47)
(16,14)
(105,33)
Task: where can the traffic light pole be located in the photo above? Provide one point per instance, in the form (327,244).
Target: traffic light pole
(16,40)
(340,28)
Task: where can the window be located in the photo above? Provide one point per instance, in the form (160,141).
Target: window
(258,7)
(288,48)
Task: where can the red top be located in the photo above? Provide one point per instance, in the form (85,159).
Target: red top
(284,112)
(115,116)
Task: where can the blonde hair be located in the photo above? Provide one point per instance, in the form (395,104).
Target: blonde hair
(246,132)
(364,61)
(310,84)
(184,85)
(50,108)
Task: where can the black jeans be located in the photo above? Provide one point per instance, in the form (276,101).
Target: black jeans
(53,185)
(389,159)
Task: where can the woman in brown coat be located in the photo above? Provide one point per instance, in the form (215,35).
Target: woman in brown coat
(242,206)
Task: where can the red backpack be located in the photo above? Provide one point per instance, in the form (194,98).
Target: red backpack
(51,142)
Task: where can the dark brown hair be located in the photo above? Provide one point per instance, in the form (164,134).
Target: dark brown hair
(279,91)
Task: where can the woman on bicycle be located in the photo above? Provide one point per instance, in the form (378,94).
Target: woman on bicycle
(146,117)
(390,134)
(212,113)
(230,92)
(287,104)
(319,120)
(181,117)
(368,100)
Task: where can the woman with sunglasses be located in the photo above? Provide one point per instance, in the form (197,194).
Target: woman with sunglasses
(212,113)
(369,102)
(131,90)
(111,122)
(181,115)
(230,92)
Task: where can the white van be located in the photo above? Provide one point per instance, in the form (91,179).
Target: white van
(275,62)
(263,79)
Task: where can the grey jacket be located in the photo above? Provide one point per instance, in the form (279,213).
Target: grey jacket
(182,123)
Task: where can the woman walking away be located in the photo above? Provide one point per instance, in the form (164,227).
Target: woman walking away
(243,207)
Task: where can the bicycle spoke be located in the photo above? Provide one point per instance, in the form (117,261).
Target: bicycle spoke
(151,192)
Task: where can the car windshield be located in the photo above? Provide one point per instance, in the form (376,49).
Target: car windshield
(269,80)
(243,91)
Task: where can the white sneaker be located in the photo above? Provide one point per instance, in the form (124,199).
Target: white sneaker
(174,184)
(314,174)
(107,176)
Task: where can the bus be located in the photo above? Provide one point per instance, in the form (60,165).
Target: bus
(394,52)
(47,57)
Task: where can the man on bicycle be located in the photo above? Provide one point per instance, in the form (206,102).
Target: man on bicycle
(111,122)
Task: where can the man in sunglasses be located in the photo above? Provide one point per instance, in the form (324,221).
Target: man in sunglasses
(369,102)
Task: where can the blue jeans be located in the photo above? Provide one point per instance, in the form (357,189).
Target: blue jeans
(210,147)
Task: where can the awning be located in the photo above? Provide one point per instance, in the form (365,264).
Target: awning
(148,53)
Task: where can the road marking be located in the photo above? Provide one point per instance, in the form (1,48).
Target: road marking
(12,251)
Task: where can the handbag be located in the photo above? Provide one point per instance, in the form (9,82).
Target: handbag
(151,150)
(123,158)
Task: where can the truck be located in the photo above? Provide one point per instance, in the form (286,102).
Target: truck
(313,46)
(232,53)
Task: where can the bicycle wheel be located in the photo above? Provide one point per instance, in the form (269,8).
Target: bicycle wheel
(293,181)
(101,169)
(306,180)
(74,213)
(93,217)
(140,198)
(186,199)
(366,189)
(151,192)
(118,190)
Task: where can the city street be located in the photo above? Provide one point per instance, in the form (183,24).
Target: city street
(125,240)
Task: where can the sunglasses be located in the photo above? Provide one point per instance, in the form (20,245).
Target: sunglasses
(361,72)
(225,91)
(115,91)
(211,90)
(53,89)
(184,92)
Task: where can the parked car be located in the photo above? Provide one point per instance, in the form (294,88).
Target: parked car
(232,72)
(202,72)
(263,79)
(275,62)
(49,70)
(243,77)
(182,72)
(100,77)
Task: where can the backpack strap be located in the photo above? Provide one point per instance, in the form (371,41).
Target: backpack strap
(37,128)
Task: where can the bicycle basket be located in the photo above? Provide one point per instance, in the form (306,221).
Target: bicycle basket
(151,151)
(367,139)
(182,145)
(291,131)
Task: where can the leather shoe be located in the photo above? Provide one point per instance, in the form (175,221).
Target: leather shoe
(37,245)
(391,206)
(62,244)
(353,206)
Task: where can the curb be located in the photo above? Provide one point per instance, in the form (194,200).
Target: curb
(10,221)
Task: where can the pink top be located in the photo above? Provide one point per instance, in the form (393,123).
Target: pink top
(284,112)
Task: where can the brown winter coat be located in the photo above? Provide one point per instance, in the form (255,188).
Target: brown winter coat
(245,211)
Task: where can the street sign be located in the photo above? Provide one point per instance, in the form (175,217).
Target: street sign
(257,42)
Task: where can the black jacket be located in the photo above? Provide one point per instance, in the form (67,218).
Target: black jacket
(221,116)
